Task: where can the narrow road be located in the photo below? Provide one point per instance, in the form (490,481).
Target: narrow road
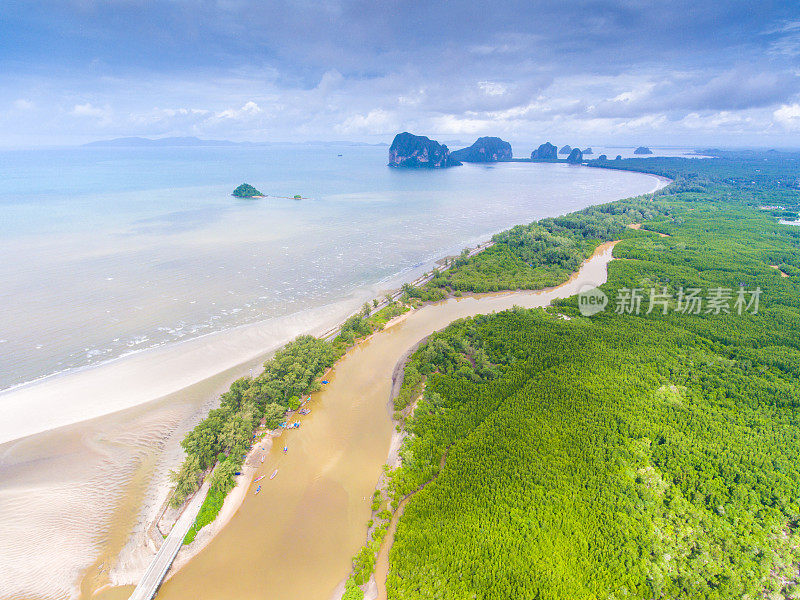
(152,578)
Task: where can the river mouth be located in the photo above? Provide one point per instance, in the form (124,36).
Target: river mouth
(297,537)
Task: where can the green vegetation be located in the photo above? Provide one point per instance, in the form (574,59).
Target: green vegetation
(208,512)
(246,191)
(417,295)
(225,437)
(549,251)
(352,591)
(363,324)
(386,314)
(635,456)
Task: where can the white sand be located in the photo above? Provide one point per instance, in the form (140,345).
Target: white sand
(139,378)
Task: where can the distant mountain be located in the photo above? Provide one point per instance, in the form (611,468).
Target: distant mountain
(643,150)
(575,157)
(188,142)
(133,142)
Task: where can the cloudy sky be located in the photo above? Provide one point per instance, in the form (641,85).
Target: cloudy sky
(588,72)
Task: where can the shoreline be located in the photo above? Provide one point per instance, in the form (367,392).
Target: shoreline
(237,364)
(237,496)
(255,340)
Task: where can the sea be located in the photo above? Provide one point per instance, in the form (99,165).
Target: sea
(111,251)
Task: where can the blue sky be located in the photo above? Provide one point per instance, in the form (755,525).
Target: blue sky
(602,73)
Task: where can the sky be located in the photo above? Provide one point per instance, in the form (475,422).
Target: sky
(611,72)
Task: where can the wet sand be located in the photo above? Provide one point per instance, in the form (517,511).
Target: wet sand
(296,538)
(94,532)
(146,376)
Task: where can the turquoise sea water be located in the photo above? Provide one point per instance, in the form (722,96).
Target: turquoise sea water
(106,251)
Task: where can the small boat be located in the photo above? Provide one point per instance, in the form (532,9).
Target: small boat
(274,473)
(258,489)
(304,411)
(259,478)
(294,426)
(325,381)
(285,449)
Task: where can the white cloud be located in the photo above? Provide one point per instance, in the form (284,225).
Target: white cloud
(88,110)
(375,122)
(788,115)
(784,27)
(450,124)
(249,109)
(492,88)
(330,80)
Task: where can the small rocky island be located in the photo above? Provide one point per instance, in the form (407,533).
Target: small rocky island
(485,149)
(565,149)
(247,191)
(575,157)
(643,150)
(410,151)
(588,151)
(546,151)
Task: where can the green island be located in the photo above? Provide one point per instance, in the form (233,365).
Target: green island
(553,455)
(246,191)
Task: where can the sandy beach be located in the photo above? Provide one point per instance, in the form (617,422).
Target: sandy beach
(146,376)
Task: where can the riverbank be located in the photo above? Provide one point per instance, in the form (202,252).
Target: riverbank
(375,588)
(238,494)
(565,424)
(312,520)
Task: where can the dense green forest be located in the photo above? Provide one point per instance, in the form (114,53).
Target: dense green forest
(547,252)
(619,455)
